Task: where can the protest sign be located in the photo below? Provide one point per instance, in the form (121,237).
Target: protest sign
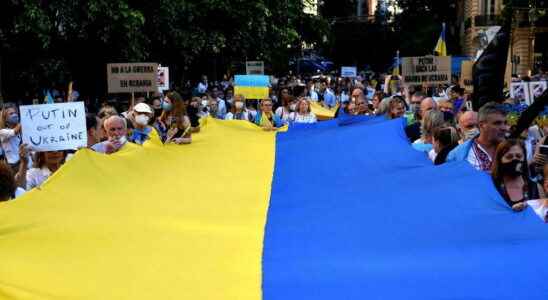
(536,89)
(426,70)
(54,127)
(349,72)
(163,79)
(466,76)
(254,67)
(132,77)
(519,91)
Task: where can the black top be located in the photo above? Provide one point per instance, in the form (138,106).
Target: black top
(413,131)
(530,192)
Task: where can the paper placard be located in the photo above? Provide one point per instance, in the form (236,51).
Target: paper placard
(537,88)
(350,72)
(163,79)
(54,127)
(254,67)
(132,77)
(466,81)
(519,91)
(426,70)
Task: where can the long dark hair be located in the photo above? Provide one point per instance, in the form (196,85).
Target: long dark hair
(502,149)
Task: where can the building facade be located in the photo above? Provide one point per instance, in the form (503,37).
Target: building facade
(529,40)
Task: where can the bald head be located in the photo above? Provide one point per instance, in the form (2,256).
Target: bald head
(427,104)
(468,120)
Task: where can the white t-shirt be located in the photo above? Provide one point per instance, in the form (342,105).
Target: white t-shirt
(283,114)
(309,118)
(10,141)
(35,177)
(202,88)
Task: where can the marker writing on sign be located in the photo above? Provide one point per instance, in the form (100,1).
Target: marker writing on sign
(52,114)
(46,140)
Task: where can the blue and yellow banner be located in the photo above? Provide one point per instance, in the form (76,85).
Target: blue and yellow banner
(252,86)
(327,211)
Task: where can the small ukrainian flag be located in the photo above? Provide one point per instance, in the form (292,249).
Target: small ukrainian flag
(441,46)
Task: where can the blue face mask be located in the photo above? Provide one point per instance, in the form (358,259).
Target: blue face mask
(167,106)
(13,119)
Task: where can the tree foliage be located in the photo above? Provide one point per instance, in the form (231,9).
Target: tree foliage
(58,40)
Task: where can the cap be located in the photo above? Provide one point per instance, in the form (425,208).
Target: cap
(142,108)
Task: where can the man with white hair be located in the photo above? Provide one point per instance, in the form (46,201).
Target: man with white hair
(116,129)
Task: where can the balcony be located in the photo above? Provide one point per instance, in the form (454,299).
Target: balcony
(487,20)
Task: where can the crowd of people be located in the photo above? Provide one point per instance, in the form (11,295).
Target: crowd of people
(439,120)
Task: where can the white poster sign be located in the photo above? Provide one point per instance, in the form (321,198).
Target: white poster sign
(254,67)
(519,91)
(350,72)
(163,79)
(537,88)
(54,127)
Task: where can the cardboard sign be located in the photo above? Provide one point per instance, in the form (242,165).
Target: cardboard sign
(54,127)
(254,67)
(466,76)
(132,77)
(426,70)
(519,91)
(537,88)
(163,79)
(350,72)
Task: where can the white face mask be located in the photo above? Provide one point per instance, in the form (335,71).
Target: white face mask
(292,107)
(239,105)
(142,119)
(204,102)
(122,139)
(470,134)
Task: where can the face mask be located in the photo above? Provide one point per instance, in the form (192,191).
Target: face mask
(292,107)
(167,106)
(122,139)
(512,169)
(239,105)
(13,119)
(470,134)
(204,102)
(142,119)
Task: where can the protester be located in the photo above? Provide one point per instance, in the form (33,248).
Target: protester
(203,85)
(396,108)
(10,134)
(116,134)
(326,96)
(468,126)
(304,114)
(288,105)
(432,119)
(174,125)
(142,131)
(480,151)
(266,118)
(413,130)
(8,187)
(221,103)
(238,110)
(510,175)
(444,140)
(377,98)
(91,129)
(46,163)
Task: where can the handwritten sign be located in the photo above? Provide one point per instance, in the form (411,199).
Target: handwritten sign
(54,127)
(132,77)
(350,72)
(466,75)
(163,79)
(254,67)
(426,70)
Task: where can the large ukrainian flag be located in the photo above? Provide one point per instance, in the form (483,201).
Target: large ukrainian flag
(338,210)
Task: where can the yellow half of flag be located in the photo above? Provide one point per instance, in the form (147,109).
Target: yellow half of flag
(142,224)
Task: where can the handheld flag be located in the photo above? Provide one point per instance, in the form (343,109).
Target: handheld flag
(441,46)
(396,66)
(48,98)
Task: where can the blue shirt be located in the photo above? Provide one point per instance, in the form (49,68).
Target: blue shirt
(329,98)
(139,136)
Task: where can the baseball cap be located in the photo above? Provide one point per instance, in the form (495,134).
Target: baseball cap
(142,108)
